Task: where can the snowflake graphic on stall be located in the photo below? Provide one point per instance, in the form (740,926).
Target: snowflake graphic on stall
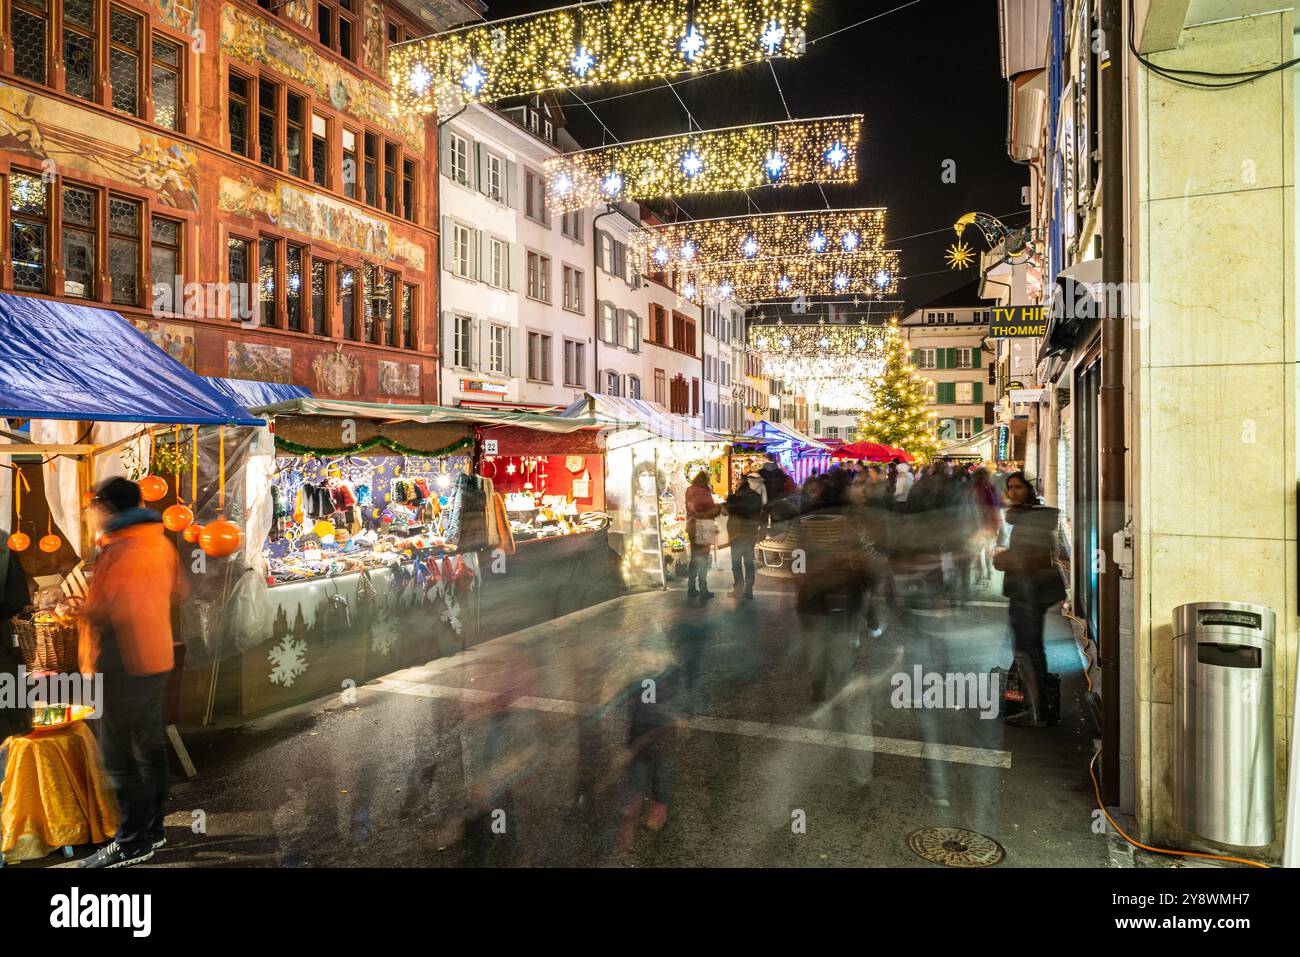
(384,635)
(452,615)
(288,661)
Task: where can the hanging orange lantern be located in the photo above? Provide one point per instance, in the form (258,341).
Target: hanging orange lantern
(19,541)
(192,533)
(153,487)
(177,517)
(221,538)
(50,543)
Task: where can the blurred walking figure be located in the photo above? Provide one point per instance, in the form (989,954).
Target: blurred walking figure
(701,510)
(903,483)
(779,487)
(744,516)
(988,503)
(1032,584)
(127,636)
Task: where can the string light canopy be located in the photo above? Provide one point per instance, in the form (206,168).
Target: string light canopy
(830,365)
(763,236)
(821,150)
(586,44)
(863,273)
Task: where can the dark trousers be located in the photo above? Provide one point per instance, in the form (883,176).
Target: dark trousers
(1027,629)
(134,745)
(698,569)
(742,562)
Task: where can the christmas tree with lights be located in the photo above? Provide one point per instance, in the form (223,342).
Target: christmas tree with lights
(899,413)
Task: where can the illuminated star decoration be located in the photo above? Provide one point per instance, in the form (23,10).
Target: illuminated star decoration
(688,291)
(817,242)
(775,165)
(960,255)
(882,278)
(473,79)
(688,251)
(582,62)
(772,37)
(750,248)
(841,282)
(691,163)
(563,184)
(661,256)
(692,44)
(849,241)
(725,290)
(837,155)
(612,183)
(783,284)
(420,78)
(511,468)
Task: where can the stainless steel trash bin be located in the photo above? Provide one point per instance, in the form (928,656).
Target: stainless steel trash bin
(1223,721)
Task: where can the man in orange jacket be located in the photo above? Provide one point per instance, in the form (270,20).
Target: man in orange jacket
(126,635)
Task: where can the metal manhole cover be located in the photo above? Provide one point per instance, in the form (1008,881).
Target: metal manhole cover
(955,847)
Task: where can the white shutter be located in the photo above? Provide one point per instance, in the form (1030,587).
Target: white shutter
(480,165)
(510,351)
(478,337)
(513,269)
(483,264)
(512,189)
(444,151)
(448,339)
(448,251)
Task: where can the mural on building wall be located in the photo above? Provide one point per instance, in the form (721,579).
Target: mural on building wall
(253,40)
(258,360)
(336,373)
(181,15)
(321,217)
(399,378)
(50,131)
(176,341)
(373,43)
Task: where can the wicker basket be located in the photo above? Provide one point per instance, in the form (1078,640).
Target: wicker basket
(47,645)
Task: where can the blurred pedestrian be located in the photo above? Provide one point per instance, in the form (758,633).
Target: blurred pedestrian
(126,635)
(744,515)
(701,510)
(1032,584)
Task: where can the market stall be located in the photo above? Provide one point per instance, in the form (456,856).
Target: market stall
(82,394)
(650,457)
(800,455)
(374,527)
(555,557)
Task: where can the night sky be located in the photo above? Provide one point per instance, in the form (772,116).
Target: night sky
(927,78)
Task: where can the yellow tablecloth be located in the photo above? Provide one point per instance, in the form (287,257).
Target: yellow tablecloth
(55,792)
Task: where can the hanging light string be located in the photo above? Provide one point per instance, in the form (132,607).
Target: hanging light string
(176,448)
(221,470)
(19,482)
(194,467)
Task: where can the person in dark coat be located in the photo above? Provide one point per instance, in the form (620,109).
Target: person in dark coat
(744,519)
(1033,584)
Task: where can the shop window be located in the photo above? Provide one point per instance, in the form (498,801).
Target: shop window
(320,322)
(238,252)
(295,111)
(349,164)
(267,285)
(410,305)
(348,301)
(165,262)
(29,27)
(268,121)
(293,257)
(124,60)
(237,113)
(79,236)
(79,42)
(166,84)
(320,150)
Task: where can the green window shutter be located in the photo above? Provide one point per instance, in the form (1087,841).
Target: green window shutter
(945,393)
(978,398)
(940,358)
(952,358)
(978,427)
(916,358)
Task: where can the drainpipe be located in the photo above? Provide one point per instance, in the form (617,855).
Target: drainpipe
(1111,399)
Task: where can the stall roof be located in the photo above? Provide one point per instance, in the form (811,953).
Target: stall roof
(251,393)
(65,361)
(425,414)
(783,433)
(612,411)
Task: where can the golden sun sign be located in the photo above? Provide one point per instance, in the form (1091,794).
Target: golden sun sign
(960,256)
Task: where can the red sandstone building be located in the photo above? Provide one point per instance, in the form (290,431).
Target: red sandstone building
(226,174)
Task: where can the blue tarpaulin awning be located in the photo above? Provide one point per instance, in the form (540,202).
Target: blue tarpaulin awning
(254,393)
(65,361)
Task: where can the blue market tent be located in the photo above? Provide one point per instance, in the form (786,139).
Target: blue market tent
(64,361)
(801,454)
(253,393)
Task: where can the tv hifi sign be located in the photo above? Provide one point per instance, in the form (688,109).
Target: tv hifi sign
(1017,322)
